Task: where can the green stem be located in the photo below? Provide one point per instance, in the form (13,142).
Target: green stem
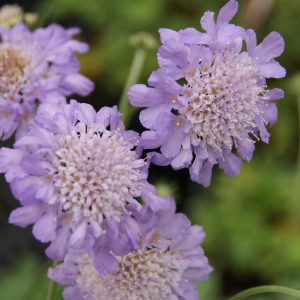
(52,287)
(298,158)
(266,289)
(134,74)
(51,290)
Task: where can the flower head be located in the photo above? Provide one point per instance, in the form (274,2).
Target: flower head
(208,103)
(73,169)
(150,255)
(37,67)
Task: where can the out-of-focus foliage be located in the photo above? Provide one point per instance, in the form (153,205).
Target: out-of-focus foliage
(251,221)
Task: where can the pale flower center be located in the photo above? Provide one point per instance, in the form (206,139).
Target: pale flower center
(12,66)
(96,174)
(223,100)
(149,274)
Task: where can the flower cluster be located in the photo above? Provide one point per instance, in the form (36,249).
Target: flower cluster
(79,177)
(37,67)
(151,254)
(208,102)
(82,179)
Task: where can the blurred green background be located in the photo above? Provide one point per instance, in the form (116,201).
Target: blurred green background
(251,221)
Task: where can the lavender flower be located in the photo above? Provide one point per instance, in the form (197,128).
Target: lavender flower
(208,102)
(37,67)
(71,170)
(150,255)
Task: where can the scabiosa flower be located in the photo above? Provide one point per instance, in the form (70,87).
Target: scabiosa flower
(149,255)
(71,170)
(36,67)
(208,102)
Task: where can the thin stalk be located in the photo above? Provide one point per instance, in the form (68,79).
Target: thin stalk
(266,289)
(134,74)
(51,290)
(52,287)
(298,158)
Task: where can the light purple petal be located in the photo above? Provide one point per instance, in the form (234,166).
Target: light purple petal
(9,158)
(173,145)
(86,113)
(272,70)
(79,84)
(26,215)
(176,52)
(58,247)
(78,237)
(231,164)
(149,116)
(272,46)
(183,159)
(192,36)
(275,94)
(166,34)
(251,41)
(44,229)
(105,263)
(246,149)
(208,23)
(270,113)
(204,175)
(227,12)
(141,96)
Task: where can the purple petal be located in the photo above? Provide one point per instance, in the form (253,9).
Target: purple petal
(275,94)
(78,237)
(246,149)
(208,23)
(72,293)
(192,36)
(58,247)
(44,229)
(24,189)
(105,263)
(9,158)
(204,175)
(172,147)
(272,70)
(166,34)
(78,83)
(272,46)
(183,159)
(227,12)
(149,116)
(231,164)
(176,52)
(26,215)
(251,41)
(141,96)
(191,240)
(264,134)
(59,275)
(86,113)
(151,140)
(270,113)
(157,159)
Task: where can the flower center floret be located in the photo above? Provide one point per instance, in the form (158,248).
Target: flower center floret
(150,274)
(96,173)
(12,66)
(223,100)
